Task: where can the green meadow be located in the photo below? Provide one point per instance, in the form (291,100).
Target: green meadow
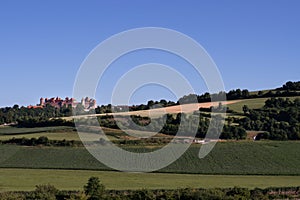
(26,179)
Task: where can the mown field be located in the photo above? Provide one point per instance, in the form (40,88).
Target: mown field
(235,158)
(251,103)
(26,179)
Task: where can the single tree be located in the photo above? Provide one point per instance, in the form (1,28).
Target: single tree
(245,109)
(94,189)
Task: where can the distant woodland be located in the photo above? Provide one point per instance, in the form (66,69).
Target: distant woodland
(278,119)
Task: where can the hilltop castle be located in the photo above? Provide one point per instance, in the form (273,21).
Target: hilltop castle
(57,102)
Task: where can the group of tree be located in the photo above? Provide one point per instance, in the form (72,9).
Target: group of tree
(170,124)
(41,141)
(279,119)
(287,90)
(291,86)
(125,108)
(42,122)
(95,190)
(18,114)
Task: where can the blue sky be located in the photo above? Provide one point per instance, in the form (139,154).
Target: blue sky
(255,44)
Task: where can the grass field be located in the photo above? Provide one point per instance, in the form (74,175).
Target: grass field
(236,158)
(251,103)
(26,179)
(53,133)
(66,133)
(57,136)
(50,136)
(22,131)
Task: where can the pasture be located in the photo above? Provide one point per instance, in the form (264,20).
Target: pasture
(26,179)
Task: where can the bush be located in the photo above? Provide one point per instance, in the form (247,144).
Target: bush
(45,192)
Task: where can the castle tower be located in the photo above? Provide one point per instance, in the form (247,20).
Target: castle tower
(42,101)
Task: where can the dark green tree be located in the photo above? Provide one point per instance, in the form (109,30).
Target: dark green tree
(94,189)
(245,93)
(245,109)
(46,192)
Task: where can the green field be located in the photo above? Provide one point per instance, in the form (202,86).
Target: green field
(67,133)
(251,103)
(26,179)
(52,133)
(50,136)
(55,136)
(22,131)
(237,158)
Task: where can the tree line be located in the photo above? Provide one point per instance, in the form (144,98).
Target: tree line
(16,113)
(41,141)
(168,124)
(287,90)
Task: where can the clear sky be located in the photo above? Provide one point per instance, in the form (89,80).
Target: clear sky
(255,44)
